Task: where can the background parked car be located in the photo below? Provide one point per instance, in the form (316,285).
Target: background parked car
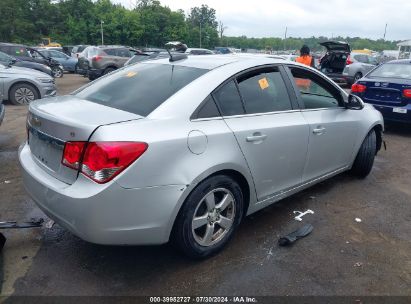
(388,88)
(21,85)
(77,49)
(8,60)
(25,53)
(357,66)
(69,63)
(335,60)
(198,51)
(140,57)
(96,61)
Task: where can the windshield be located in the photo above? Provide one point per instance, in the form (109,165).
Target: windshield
(392,70)
(140,88)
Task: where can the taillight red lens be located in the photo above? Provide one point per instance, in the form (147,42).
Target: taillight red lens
(104,160)
(96,58)
(358,88)
(406,93)
(349,61)
(73,151)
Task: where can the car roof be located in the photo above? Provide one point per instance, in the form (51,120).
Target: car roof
(211,62)
(12,44)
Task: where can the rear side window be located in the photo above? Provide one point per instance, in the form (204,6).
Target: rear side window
(208,109)
(229,100)
(111,52)
(140,88)
(264,91)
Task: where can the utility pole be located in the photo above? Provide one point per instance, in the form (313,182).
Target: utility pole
(200,34)
(385,31)
(102,33)
(285,36)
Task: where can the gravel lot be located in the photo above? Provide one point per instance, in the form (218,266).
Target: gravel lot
(340,257)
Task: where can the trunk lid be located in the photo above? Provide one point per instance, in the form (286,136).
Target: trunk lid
(381,92)
(52,122)
(336,46)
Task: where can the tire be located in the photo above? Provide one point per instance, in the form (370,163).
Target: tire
(108,70)
(57,72)
(92,77)
(23,94)
(357,76)
(365,158)
(199,204)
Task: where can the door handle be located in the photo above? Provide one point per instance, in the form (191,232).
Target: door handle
(256,137)
(319,130)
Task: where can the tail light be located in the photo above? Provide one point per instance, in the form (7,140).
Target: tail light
(101,161)
(406,93)
(96,58)
(358,88)
(73,151)
(349,61)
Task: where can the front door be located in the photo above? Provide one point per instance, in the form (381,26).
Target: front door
(272,135)
(333,128)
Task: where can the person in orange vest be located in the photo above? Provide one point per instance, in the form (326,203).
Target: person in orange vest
(305,57)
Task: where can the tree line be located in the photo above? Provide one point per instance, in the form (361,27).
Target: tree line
(147,24)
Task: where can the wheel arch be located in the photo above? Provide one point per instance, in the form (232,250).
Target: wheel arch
(242,178)
(22,82)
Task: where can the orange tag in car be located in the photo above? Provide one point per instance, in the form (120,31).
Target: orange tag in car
(131,74)
(263,82)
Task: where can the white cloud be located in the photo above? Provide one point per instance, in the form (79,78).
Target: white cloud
(268,18)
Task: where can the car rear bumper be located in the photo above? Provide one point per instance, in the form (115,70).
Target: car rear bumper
(103,214)
(2,112)
(389,114)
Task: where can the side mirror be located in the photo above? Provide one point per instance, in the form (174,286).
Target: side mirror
(354,102)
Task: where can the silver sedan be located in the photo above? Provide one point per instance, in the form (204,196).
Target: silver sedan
(22,85)
(184,149)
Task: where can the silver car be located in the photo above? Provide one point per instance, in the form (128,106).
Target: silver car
(22,85)
(184,150)
(357,66)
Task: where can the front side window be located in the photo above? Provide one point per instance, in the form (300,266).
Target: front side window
(140,88)
(315,92)
(264,91)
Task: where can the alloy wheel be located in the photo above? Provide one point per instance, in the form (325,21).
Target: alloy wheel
(24,95)
(213,217)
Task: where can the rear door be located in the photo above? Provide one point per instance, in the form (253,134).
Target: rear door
(268,126)
(332,128)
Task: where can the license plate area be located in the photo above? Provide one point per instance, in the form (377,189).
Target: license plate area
(46,150)
(399,110)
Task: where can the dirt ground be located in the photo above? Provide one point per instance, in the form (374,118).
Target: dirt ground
(340,257)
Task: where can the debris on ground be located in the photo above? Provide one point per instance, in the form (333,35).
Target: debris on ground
(301,214)
(294,236)
(7,182)
(33,223)
(358,220)
(49,224)
(358,264)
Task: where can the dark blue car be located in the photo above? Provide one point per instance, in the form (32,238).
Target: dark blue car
(388,89)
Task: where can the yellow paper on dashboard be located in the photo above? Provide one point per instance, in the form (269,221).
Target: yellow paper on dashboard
(263,82)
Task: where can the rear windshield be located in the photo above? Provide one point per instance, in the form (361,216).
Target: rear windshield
(392,70)
(140,88)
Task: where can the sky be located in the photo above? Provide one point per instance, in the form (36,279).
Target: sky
(306,18)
